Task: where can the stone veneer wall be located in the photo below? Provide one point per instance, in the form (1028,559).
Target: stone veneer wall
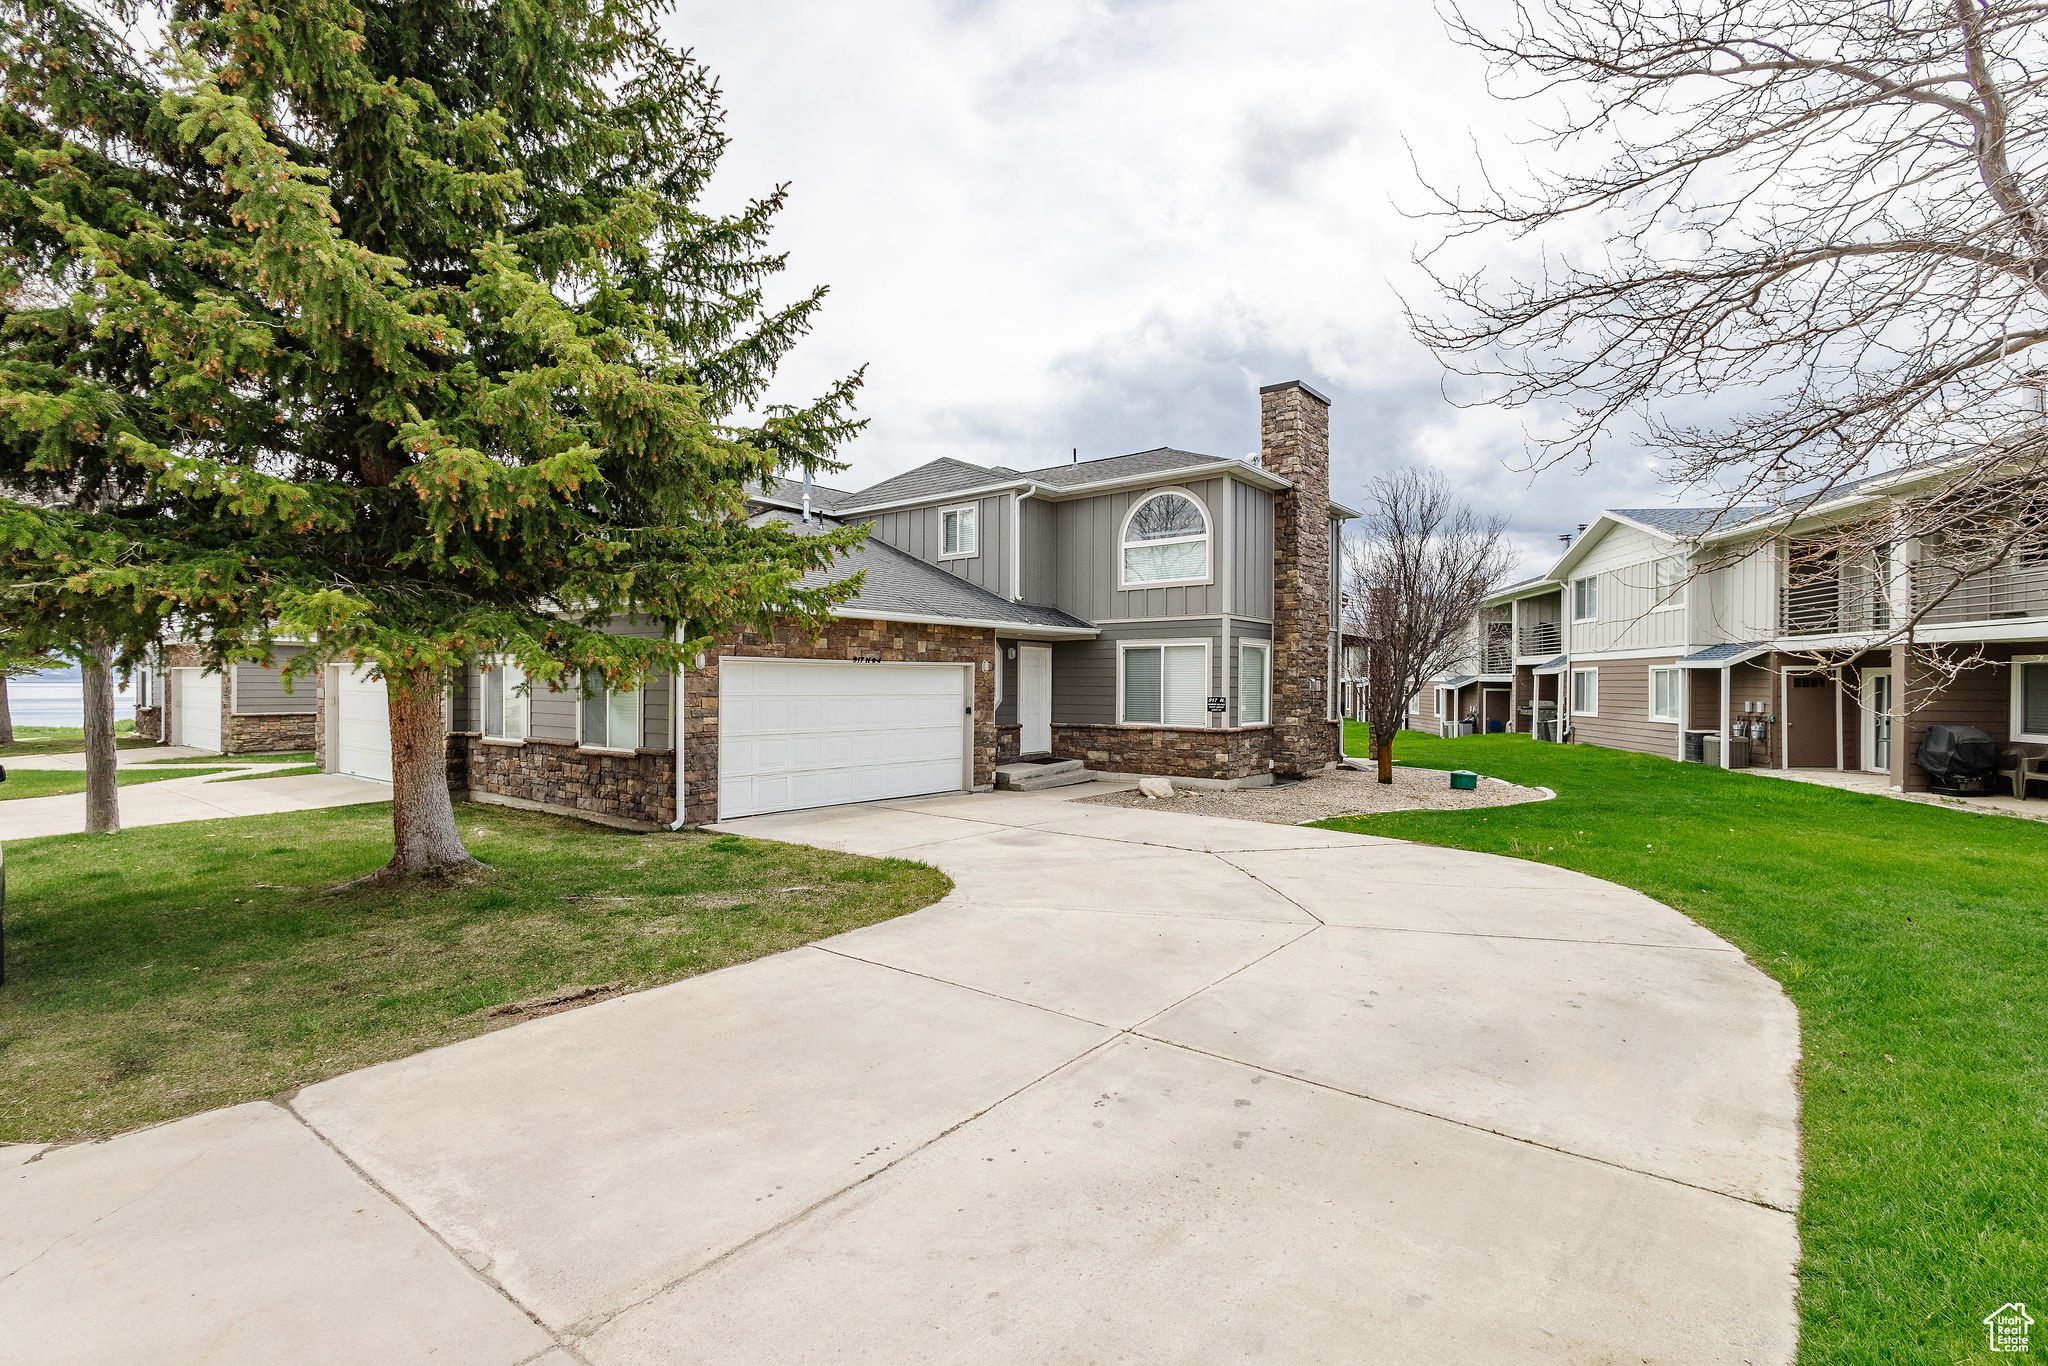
(1167,751)
(267,732)
(1294,444)
(1009,743)
(149,723)
(879,641)
(634,790)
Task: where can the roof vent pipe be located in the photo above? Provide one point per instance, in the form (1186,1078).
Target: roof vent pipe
(807,497)
(1564,539)
(1077,456)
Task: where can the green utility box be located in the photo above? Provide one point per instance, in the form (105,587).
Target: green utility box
(1462,781)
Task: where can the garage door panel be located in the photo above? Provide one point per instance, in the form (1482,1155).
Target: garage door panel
(363,749)
(819,734)
(198,702)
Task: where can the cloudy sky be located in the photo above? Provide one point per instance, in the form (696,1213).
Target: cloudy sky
(1052,224)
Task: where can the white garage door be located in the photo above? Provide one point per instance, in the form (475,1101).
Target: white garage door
(198,704)
(362,744)
(792,735)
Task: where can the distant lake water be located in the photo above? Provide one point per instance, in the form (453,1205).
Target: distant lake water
(56,697)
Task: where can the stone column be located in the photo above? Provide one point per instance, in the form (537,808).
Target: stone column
(1294,444)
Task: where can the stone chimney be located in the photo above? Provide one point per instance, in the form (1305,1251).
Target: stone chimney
(1294,444)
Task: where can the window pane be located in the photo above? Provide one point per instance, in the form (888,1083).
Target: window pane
(966,534)
(515,702)
(493,686)
(1251,686)
(625,719)
(1141,686)
(2034,699)
(1158,563)
(595,729)
(1165,517)
(1187,686)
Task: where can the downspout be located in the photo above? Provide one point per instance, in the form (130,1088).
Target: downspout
(679,715)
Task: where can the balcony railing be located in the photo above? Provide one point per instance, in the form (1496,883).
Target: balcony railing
(2002,594)
(1497,658)
(1542,638)
(1832,606)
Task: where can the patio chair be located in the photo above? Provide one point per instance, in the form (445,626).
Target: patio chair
(2024,764)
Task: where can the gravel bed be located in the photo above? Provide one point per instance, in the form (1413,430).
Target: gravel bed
(1339,792)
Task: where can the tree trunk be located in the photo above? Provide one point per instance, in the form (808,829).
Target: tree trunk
(422,815)
(102,794)
(1383,753)
(6,716)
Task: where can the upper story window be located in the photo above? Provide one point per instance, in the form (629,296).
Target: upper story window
(505,704)
(956,532)
(610,717)
(1165,542)
(1586,598)
(1670,585)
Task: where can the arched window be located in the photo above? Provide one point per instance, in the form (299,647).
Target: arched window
(1165,541)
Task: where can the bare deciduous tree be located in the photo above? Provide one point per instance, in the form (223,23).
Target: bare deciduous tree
(1414,575)
(1788,244)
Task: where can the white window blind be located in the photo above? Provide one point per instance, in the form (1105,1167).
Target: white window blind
(1585,599)
(611,719)
(1586,690)
(1166,685)
(2033,686)
(504,704)
(956,531)
(1664,693)
(1670,583)
(1251,685)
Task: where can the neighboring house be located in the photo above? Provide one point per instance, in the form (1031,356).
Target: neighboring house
(246,710)
(1158,613)
(1676,622)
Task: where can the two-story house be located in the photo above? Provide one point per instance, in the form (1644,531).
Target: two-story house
(1750,624)
(1158,613)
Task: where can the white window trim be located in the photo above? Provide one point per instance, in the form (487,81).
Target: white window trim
(523,698)
(1437,692)
(1208,539)
(2019,736)
(1593,579)
(1208,676)
(1572,692)
(1265,649)
(970,515)
(639,724)
(1679,592)
(1656,669)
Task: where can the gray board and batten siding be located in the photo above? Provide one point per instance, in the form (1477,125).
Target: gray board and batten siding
(915,531)
(259,690)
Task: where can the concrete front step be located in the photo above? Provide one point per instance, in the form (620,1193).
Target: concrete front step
(1036,777)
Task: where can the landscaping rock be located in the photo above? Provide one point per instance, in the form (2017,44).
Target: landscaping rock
(1156,788)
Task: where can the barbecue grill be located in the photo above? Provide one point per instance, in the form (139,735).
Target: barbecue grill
(1958,758)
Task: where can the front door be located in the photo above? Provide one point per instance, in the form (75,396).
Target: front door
(1034,698)
(1877,720)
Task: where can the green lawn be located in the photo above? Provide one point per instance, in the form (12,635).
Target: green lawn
(55,782)
(30,741)
(1914,941)
(176,968)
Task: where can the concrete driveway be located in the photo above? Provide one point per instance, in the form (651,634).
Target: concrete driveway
(1145,1088)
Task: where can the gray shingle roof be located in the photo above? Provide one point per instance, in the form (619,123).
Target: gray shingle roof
(1553,666)
(1733,650)
(1691,521)
(1160,461)
(904,585)
(790,492)
(930,480)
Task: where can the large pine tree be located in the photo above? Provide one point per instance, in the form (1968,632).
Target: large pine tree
(393,328)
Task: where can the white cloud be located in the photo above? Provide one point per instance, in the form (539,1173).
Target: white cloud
(1102,225)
